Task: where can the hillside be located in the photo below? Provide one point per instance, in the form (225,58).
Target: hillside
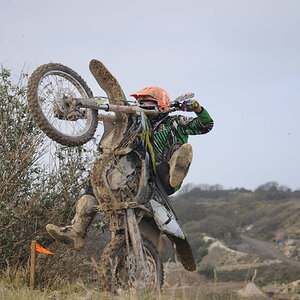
(266,213)
(263,225)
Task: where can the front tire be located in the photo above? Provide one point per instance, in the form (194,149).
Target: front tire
(117,268)
(51,88)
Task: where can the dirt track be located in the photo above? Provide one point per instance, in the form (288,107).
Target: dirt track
(181,283)
(262,248)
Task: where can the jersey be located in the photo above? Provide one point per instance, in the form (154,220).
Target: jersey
(175,130)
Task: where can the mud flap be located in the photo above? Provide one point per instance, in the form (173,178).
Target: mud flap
(184,252)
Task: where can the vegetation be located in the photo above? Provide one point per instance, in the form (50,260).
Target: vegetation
(33,189)
(268,213)
(13,286)
(223,214)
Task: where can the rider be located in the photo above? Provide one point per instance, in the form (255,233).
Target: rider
(173,156)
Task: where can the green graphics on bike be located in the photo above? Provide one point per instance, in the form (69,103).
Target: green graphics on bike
(146,135)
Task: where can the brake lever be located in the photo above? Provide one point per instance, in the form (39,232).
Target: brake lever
(176,104)
(184,97)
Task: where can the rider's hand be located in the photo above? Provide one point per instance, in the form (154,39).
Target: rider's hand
(191,105)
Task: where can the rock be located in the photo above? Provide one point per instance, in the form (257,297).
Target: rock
(292,287)
(290,249)
(296,284)
(291,243)
(251,290)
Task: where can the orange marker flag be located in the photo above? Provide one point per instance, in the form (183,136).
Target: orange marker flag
(39,248)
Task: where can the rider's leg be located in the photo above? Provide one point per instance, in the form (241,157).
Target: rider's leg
(172,170)
(75,233)
(179,164)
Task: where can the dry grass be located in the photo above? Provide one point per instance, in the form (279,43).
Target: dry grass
(13,285)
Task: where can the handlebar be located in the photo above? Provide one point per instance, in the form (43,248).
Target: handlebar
(98,104)
(128,109)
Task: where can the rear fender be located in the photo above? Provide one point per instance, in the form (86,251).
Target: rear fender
(184,252)
(166,221)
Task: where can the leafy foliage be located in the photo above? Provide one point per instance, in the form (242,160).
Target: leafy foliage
(32,193)
(207,270)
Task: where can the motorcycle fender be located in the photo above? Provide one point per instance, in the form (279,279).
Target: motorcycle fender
(184,252)
(165,221)
(168,224)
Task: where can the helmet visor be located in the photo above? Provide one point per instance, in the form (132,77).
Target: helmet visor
(148,101)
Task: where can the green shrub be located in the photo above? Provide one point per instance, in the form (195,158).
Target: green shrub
(206,269)
(30,194)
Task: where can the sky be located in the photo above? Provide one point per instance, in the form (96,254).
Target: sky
(241,58)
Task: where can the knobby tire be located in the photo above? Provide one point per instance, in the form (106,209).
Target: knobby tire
(40,118)
(108,257)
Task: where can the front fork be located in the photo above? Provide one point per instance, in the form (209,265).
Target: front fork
(137,244)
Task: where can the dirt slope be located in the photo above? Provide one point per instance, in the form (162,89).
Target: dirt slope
(265,249)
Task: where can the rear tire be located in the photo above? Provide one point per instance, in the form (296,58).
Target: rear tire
(48,86)
(117,268)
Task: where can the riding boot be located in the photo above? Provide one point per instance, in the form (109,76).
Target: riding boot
(74,234)
(179,164)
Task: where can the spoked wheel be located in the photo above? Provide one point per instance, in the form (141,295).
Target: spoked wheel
(52,89)
(118,268)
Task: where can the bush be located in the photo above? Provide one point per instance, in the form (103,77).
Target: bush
(206,269)
(30,194)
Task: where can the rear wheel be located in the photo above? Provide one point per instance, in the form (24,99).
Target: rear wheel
(118,268)
(52,89)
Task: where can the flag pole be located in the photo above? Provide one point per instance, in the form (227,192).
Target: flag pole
(32,264)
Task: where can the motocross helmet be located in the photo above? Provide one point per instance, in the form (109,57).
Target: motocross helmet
(154,94)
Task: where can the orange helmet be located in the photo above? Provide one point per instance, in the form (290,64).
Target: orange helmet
(156,93)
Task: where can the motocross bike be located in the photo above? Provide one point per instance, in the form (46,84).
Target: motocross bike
(132,198)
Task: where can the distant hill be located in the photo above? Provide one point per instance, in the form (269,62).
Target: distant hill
(263,223)
(268,213)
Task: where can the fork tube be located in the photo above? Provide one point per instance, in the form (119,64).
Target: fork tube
(136,240)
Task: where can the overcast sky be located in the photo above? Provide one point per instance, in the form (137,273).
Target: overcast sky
(241,58)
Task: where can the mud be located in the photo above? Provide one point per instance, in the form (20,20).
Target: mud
(114,132)
(114,91)
(100,186)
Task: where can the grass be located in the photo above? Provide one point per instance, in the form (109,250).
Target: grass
(14,285)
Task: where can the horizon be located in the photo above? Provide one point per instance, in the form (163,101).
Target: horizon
(220,187)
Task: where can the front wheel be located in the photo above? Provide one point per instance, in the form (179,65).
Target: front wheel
(52,89)
(118,268)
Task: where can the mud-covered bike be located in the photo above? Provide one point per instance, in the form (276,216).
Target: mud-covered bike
(123,178)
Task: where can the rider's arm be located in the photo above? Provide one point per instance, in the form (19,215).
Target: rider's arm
(203,123)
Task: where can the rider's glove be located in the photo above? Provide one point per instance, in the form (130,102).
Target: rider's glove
(190,105)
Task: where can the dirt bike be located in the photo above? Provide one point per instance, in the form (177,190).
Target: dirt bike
(123,179)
